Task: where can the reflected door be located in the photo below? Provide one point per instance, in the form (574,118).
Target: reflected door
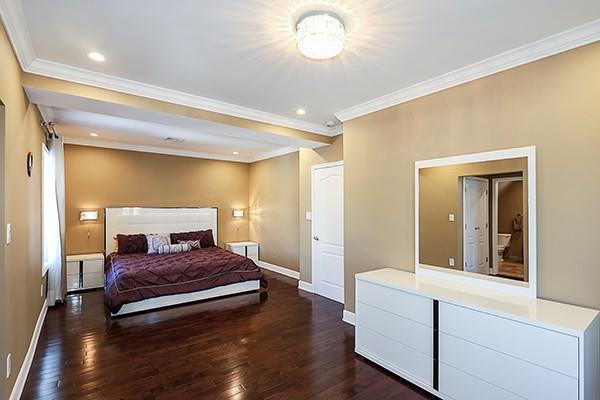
(476,231)
(328,232)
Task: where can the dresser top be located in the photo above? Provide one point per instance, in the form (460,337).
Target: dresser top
(83,257)
(565,318)
(239,244)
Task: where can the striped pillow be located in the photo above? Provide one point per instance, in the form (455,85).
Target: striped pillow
(174,248)
(194,244)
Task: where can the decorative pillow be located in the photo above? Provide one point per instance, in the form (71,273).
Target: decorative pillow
(205,237)
(174,248)
(194,244)
(155,241)
(129,244)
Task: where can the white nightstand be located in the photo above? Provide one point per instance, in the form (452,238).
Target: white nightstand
(246,249)
(85,271)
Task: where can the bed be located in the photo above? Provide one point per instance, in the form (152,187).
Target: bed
(139,282)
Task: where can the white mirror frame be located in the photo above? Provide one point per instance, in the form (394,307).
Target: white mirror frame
(527,289)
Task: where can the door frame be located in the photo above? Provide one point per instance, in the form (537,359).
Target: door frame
(495,182)
(464,216)
(314,168)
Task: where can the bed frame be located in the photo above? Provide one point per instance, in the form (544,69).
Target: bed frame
(129,220)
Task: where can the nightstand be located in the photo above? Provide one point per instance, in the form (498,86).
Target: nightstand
(246,249)
(85,271)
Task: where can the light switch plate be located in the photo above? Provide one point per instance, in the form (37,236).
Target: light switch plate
(451,217)
(308,215)
(8,365)
(8,233)
(451,262)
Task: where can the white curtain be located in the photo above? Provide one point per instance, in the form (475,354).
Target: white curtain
(54,219)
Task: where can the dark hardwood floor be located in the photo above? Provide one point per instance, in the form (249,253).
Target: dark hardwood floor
(279,344)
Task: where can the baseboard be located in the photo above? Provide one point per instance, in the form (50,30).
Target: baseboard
(280,270)
(17,389)
(307,287)
(348,317)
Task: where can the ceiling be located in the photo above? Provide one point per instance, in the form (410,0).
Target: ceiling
(239,56)
(77,126)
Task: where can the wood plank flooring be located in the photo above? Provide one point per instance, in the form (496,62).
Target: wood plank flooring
(280,344)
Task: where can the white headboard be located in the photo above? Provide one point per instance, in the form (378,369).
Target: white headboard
(129,220)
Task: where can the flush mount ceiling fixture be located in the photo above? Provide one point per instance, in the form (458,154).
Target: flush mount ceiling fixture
(94,55)
(320,35)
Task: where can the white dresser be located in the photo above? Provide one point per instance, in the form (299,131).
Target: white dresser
(85,271)
(462,343)
(246,249)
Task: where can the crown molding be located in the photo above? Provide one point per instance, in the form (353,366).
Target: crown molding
(106,144)
(46,112)
(558,43)
(78,75)
(275,153)
(17,30)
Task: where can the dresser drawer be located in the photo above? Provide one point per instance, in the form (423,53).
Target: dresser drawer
(461,386)
(92,266)
(238,250)
(93,280)
(394,356)
(509,373)
(73,268)
(252,251)
(73,282)
(540,346)
(412,334)
(403,304)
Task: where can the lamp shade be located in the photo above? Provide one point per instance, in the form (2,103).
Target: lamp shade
(89,215)
(238,213)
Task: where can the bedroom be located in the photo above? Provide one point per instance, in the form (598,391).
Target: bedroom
(310,177)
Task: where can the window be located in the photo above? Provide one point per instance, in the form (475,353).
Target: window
(49,211)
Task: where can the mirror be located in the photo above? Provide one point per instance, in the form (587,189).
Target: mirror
(473,216)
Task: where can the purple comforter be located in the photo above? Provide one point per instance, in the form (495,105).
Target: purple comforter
(134,277)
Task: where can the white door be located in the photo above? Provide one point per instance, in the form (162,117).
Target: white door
(476,232)
(328,231)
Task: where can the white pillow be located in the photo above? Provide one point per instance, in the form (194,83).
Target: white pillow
(174,248)
(156,241)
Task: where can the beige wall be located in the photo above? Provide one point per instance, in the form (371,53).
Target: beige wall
(309,157)
(96,178)
(439,195)
(22,200)
(552,103)
(274,209)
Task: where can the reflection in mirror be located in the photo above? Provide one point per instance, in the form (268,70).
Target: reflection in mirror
(473,218)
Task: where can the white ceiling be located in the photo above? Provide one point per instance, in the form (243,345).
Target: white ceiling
(76,124)
(125,127)
(238,57)
(243,52)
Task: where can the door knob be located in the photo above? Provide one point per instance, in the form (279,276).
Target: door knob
(316,237)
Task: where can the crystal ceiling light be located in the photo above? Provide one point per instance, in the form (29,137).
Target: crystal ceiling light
(320,35)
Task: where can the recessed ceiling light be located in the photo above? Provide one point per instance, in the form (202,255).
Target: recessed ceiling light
(94,134)
(301,111)
(235,153)
(94,55)
(320,35)
(173,139)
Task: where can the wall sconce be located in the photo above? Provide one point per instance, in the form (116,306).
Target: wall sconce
(91,215)
(238,213)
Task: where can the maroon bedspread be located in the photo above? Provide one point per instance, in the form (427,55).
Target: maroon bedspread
(134,277)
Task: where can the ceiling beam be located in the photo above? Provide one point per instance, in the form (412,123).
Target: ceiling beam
(67,91)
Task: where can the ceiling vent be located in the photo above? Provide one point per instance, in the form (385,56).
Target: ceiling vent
(173,139)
